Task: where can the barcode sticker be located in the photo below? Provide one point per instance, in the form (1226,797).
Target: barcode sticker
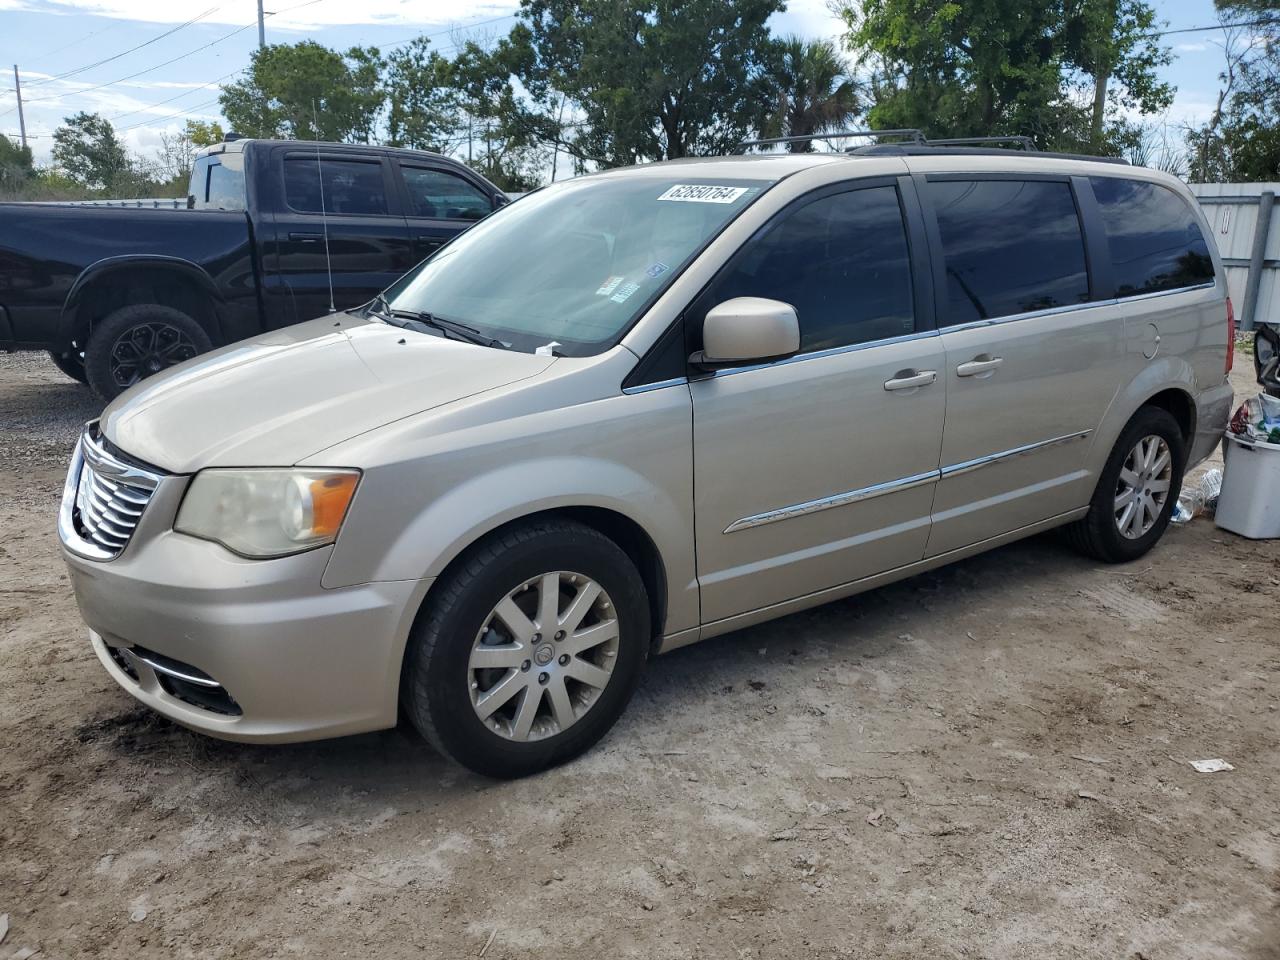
(702,193)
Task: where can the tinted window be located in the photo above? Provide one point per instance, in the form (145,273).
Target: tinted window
(217,183)
(1010,246)
(350,186)
(443,196)
(841,261)
(1155,241)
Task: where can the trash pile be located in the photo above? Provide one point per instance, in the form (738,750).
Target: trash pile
(1258,420)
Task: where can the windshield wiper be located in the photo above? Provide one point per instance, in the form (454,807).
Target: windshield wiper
(422,321)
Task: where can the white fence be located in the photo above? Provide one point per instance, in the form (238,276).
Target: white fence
(1241,216)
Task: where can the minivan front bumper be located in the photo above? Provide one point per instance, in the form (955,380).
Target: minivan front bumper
(262,654)
(236,648)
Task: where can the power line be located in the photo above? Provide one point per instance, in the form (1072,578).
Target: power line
(173,116)
(1216,26)
(146,43)
(178,96)
(88,36)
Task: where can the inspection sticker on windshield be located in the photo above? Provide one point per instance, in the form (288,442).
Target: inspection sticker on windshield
(610,285)
(703,193)
(624,291)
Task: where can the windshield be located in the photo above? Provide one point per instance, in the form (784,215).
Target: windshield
(575,263)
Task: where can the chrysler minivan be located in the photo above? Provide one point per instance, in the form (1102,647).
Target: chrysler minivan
(639,409)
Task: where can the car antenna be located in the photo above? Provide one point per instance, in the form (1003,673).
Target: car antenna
(324,216)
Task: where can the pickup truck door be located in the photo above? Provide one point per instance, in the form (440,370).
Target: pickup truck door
(439,204)
(349,204)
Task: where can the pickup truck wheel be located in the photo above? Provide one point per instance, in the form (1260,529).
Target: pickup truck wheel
(72,364)
(135,342)
(528,650)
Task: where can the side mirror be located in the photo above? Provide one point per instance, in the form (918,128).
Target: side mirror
(747,330)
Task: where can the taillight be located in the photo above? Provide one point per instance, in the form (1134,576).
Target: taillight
(1231,335)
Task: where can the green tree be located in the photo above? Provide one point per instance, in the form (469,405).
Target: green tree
(306,91)
(88,151)
(1001,67)
(16,167)
(651,79)
(422,100)
(1241,139)
(813,90)
(202,133)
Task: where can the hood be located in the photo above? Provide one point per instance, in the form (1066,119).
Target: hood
(278,398)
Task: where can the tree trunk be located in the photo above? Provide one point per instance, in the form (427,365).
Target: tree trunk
(1102,76)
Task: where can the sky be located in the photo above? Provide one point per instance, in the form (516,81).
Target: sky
(77,55)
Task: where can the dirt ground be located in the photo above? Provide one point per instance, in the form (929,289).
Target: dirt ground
(985,761)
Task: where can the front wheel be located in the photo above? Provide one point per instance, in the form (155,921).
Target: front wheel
(529,650)
(136,342)
(1137,490)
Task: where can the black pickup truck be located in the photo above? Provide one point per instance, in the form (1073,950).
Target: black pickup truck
(276,232)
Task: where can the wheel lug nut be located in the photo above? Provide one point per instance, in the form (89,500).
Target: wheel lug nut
(564,659)
(559,634)
(537,638)
(524,667)
(543,677)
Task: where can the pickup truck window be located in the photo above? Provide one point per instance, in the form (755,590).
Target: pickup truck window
(443,196)
(217,183)
(607,247)
(350,186)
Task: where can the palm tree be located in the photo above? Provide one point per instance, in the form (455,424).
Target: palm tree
(813,90)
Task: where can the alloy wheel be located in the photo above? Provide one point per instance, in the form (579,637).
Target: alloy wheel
(543,656)
(146,349)
(1143,488)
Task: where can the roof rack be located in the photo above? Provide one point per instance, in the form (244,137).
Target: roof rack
(911,133)
(1024,141)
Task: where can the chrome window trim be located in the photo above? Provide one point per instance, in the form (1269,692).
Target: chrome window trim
(659,385)
(1211,285)
(1029,315)
(830,352)
(978,463)
(836,500)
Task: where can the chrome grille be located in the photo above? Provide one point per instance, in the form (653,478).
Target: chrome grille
(104,499)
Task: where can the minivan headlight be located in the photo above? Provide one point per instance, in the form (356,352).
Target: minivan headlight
(267,513)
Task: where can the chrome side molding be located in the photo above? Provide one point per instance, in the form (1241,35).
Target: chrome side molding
(837,500)
(978,463)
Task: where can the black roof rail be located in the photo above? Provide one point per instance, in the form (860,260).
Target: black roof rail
(1024,141)
(930,149)
(914,135)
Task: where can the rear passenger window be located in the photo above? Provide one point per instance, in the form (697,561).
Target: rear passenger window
(348,186)
(841,261)
(1009,246)
(1156,243)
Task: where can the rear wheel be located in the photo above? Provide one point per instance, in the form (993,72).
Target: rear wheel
(70,363)
(1137,490)
(529,651)
(136,342)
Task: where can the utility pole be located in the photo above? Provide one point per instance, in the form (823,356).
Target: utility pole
(22,121)
(262,27)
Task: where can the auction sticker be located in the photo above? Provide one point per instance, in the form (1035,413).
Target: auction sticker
(610,285)
(702,193)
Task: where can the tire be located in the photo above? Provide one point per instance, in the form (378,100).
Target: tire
(444,691)
(1099,533)
(72,364)
(135,342)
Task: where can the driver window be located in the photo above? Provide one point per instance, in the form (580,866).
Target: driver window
(841,260)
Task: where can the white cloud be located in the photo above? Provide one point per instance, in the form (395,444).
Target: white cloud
(1191,47)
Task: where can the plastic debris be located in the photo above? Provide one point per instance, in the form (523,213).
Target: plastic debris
(1200,498)
(1210,766)
(1258,419)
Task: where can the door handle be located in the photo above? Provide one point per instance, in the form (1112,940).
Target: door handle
(976,367)
(306,237)
(432,244)
(910,379)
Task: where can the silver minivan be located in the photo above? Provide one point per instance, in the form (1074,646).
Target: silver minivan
(635,410)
